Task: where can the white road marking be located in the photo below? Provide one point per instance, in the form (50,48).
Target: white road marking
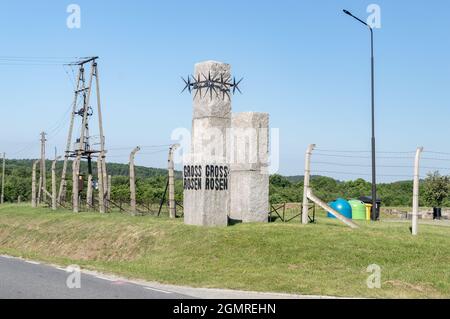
(32,262)
(105,278)
(158,290)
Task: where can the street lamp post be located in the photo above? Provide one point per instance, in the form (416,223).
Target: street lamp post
(374,184)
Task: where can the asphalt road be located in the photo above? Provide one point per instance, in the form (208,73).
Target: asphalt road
(23,279)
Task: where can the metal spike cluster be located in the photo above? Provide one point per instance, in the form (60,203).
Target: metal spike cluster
(219,86)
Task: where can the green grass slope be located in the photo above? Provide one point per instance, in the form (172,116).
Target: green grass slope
(326,258)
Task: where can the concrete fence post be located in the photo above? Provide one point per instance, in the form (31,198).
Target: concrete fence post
(133,180)
(101,194)
(335,213)
(75,188)
(2,199)
(54,195)
(305,208)
(39,191)
(108,192)
(33,185)
(89,193)
(105,182)
(414,228)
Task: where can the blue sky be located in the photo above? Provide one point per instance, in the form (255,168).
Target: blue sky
(304,62)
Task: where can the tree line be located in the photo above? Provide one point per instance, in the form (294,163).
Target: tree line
(151,183)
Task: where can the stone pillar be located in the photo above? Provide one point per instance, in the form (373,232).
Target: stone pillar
(249,154)
(206,171)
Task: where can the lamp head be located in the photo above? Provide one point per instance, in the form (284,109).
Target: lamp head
(347,12)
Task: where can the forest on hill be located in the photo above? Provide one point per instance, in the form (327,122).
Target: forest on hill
(151,183)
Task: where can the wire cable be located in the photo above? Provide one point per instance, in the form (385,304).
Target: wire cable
(360,151)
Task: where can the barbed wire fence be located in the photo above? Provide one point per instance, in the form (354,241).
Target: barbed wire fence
(391,165)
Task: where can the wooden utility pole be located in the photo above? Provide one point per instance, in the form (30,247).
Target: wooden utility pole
(2,199)
(415,213)
(171,172)
(75,188)
(33,185)
(43,180)
(101,194)
(133,180)
(305,208)
(54,195)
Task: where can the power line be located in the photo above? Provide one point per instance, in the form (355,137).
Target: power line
(433,152)
(119,148)
(436,159)
(359,156)
(359,174)
(361,165)
(384,166)
(360,151)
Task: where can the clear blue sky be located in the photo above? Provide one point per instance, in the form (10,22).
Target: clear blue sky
(304,62)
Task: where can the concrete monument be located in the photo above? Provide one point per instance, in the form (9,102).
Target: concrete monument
(225,175)
(249,167)
(206,172)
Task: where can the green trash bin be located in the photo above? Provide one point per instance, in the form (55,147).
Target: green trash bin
(358,209)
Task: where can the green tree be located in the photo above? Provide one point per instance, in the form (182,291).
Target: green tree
(436,189)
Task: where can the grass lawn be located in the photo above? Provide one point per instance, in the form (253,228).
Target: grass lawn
(326,258)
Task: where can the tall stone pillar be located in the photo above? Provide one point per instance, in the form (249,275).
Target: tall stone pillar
(206,172)
(249,167)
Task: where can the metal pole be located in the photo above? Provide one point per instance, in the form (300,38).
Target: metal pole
(374,214)
(374,183)
(414,228)
(305,208)
(163,198)
(171,171)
